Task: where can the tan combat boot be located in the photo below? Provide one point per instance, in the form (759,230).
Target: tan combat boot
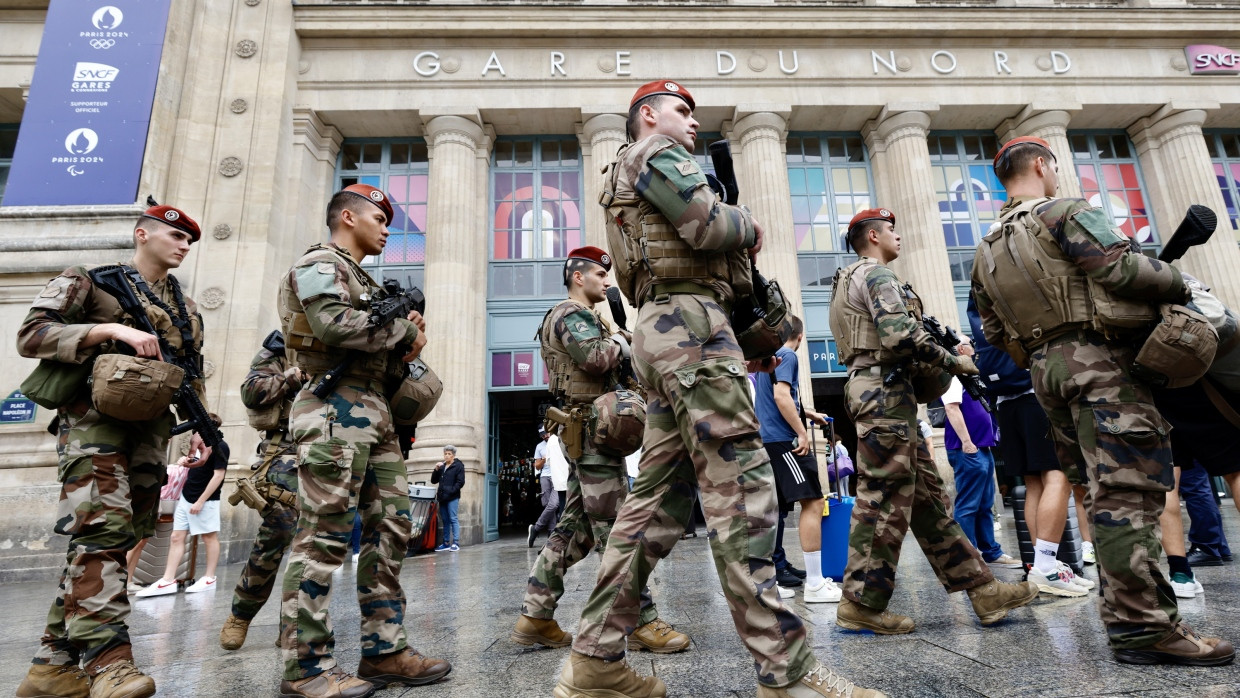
(659,637)
(121,679)
(854,616)
(540,631)
(54,680)
(992,600)
(232,637)
(820,682)
(1182,646)
(333,683)
(406,666)
(588,677)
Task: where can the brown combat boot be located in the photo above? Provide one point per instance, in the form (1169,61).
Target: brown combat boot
(819,682)
(406,666)
(992,600)
(589,677)
(659,637)
(1182,646)
(333,683)
(232,637)
(540,631)
(63,680)
(854,616)
(121,679)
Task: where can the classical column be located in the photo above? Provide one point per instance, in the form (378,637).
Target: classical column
(601,136)
(905,184)
(1052,127)
(1179,173)
(456,272)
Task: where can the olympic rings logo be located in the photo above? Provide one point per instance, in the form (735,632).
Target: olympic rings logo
(102,43)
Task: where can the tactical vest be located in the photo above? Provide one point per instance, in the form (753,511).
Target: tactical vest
(568,381)
(653,251)
(1038,293)
(272,417)
(854,328)
(303,349)
(162,320)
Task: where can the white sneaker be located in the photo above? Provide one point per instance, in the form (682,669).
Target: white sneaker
(827,592)
(1058,581)
(1083,582)
(1006,561)
(785,593)
(159,588)
(204,584)
(998,525)
(1087,553)
(1188,589)
(134,588)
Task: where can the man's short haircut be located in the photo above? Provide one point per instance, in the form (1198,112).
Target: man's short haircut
(791,329)
(861,230)
(633,125)
(573,265)
(1018,159)
(339,202)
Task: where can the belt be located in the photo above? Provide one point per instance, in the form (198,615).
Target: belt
(665,289)
(876,370)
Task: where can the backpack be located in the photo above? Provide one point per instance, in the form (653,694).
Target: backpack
(998,371)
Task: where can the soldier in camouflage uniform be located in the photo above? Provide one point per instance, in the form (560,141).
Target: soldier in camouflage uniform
(1059,287)
(348,459)
(683,256)
(891,359)
(583,353)
(268,389)
(110,470)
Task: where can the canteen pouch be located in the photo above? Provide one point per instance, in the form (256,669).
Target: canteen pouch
(1179,350)
(133,389)
(53,384)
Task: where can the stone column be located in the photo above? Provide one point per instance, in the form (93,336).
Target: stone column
(1052,127)
(456,268)
(1178,173)
(601,135)
(902,176)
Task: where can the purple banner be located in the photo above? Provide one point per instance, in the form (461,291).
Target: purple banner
(83,133)
(1206,59)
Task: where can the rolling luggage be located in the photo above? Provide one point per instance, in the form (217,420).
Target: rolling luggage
(423,511)
(837,516)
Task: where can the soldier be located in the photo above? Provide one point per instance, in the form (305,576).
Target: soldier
(583,353)
(684,256)
(1059,288)
(348,459)
(876,322)
(267,391)
(111,467)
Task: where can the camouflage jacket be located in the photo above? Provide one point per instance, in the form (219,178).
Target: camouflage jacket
(265,387)
(580,357)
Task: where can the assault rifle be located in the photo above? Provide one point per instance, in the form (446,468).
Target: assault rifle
(390,302)
(947,338)
(621,316)
(115,280)
(1196,228)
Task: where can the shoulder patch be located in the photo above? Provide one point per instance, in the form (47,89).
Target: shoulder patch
(325,268)
(1096,222)
(687,167)
(315,280)
(678,167)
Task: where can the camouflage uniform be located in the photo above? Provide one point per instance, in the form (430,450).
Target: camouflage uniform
(1103,421)
(265,386)
(596,482)
(681,261)
(110,470)
(898,486)
(348,461)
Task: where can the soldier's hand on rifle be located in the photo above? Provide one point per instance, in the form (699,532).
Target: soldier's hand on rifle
(146,345)
(758,234)
(416,318)
(418,344)
(962,366)
(294,376)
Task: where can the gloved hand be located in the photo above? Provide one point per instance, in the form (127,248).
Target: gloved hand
(962,366)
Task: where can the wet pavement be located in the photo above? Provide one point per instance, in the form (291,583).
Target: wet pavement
(463,605)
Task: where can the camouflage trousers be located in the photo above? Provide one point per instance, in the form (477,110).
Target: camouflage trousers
(899,489)
(700,427)
(1106,428)
(110,473)
(348,461)
(596,489)
(273,538)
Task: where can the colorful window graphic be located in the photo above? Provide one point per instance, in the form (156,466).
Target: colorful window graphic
(517,369)
(829,180)
(969,195)
(1224,147)
(399,167)
(536,198)
(1110,175)
(8,142)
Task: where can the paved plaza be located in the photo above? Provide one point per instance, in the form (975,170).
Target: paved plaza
(463,605)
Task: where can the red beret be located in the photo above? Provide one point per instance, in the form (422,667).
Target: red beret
(662,87)
(374,195)
(872,214)
(1017,141)
(592,254)
(176,218)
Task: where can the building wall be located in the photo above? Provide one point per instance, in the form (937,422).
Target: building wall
(759,71)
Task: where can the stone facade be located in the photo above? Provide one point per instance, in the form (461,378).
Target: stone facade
(255,99)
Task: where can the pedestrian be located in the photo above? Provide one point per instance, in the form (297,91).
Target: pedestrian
(1105,426)
(348,458)
(550,500)
(683,255)
(557,464)
(894,364)
(111,467)
(450,476)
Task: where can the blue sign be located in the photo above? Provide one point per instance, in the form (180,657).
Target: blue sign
(16,409)
(823,357)
(83,134)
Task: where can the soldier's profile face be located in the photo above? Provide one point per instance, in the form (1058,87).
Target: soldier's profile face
(162,244)
(1051,178)
(594,282)
(369,228)
(888,245)
(674,119)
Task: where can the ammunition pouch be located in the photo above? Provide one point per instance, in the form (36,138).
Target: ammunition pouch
(570,427)
(265,418)
(133,389)
(1179,350)
(416,395)
(617,422)
(757,324)
(53,384)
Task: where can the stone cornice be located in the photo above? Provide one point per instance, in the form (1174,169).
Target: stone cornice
(319,138)
(455,128)
(603,127)
(891,127)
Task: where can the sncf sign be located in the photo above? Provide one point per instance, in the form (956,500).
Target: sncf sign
(1205,59)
